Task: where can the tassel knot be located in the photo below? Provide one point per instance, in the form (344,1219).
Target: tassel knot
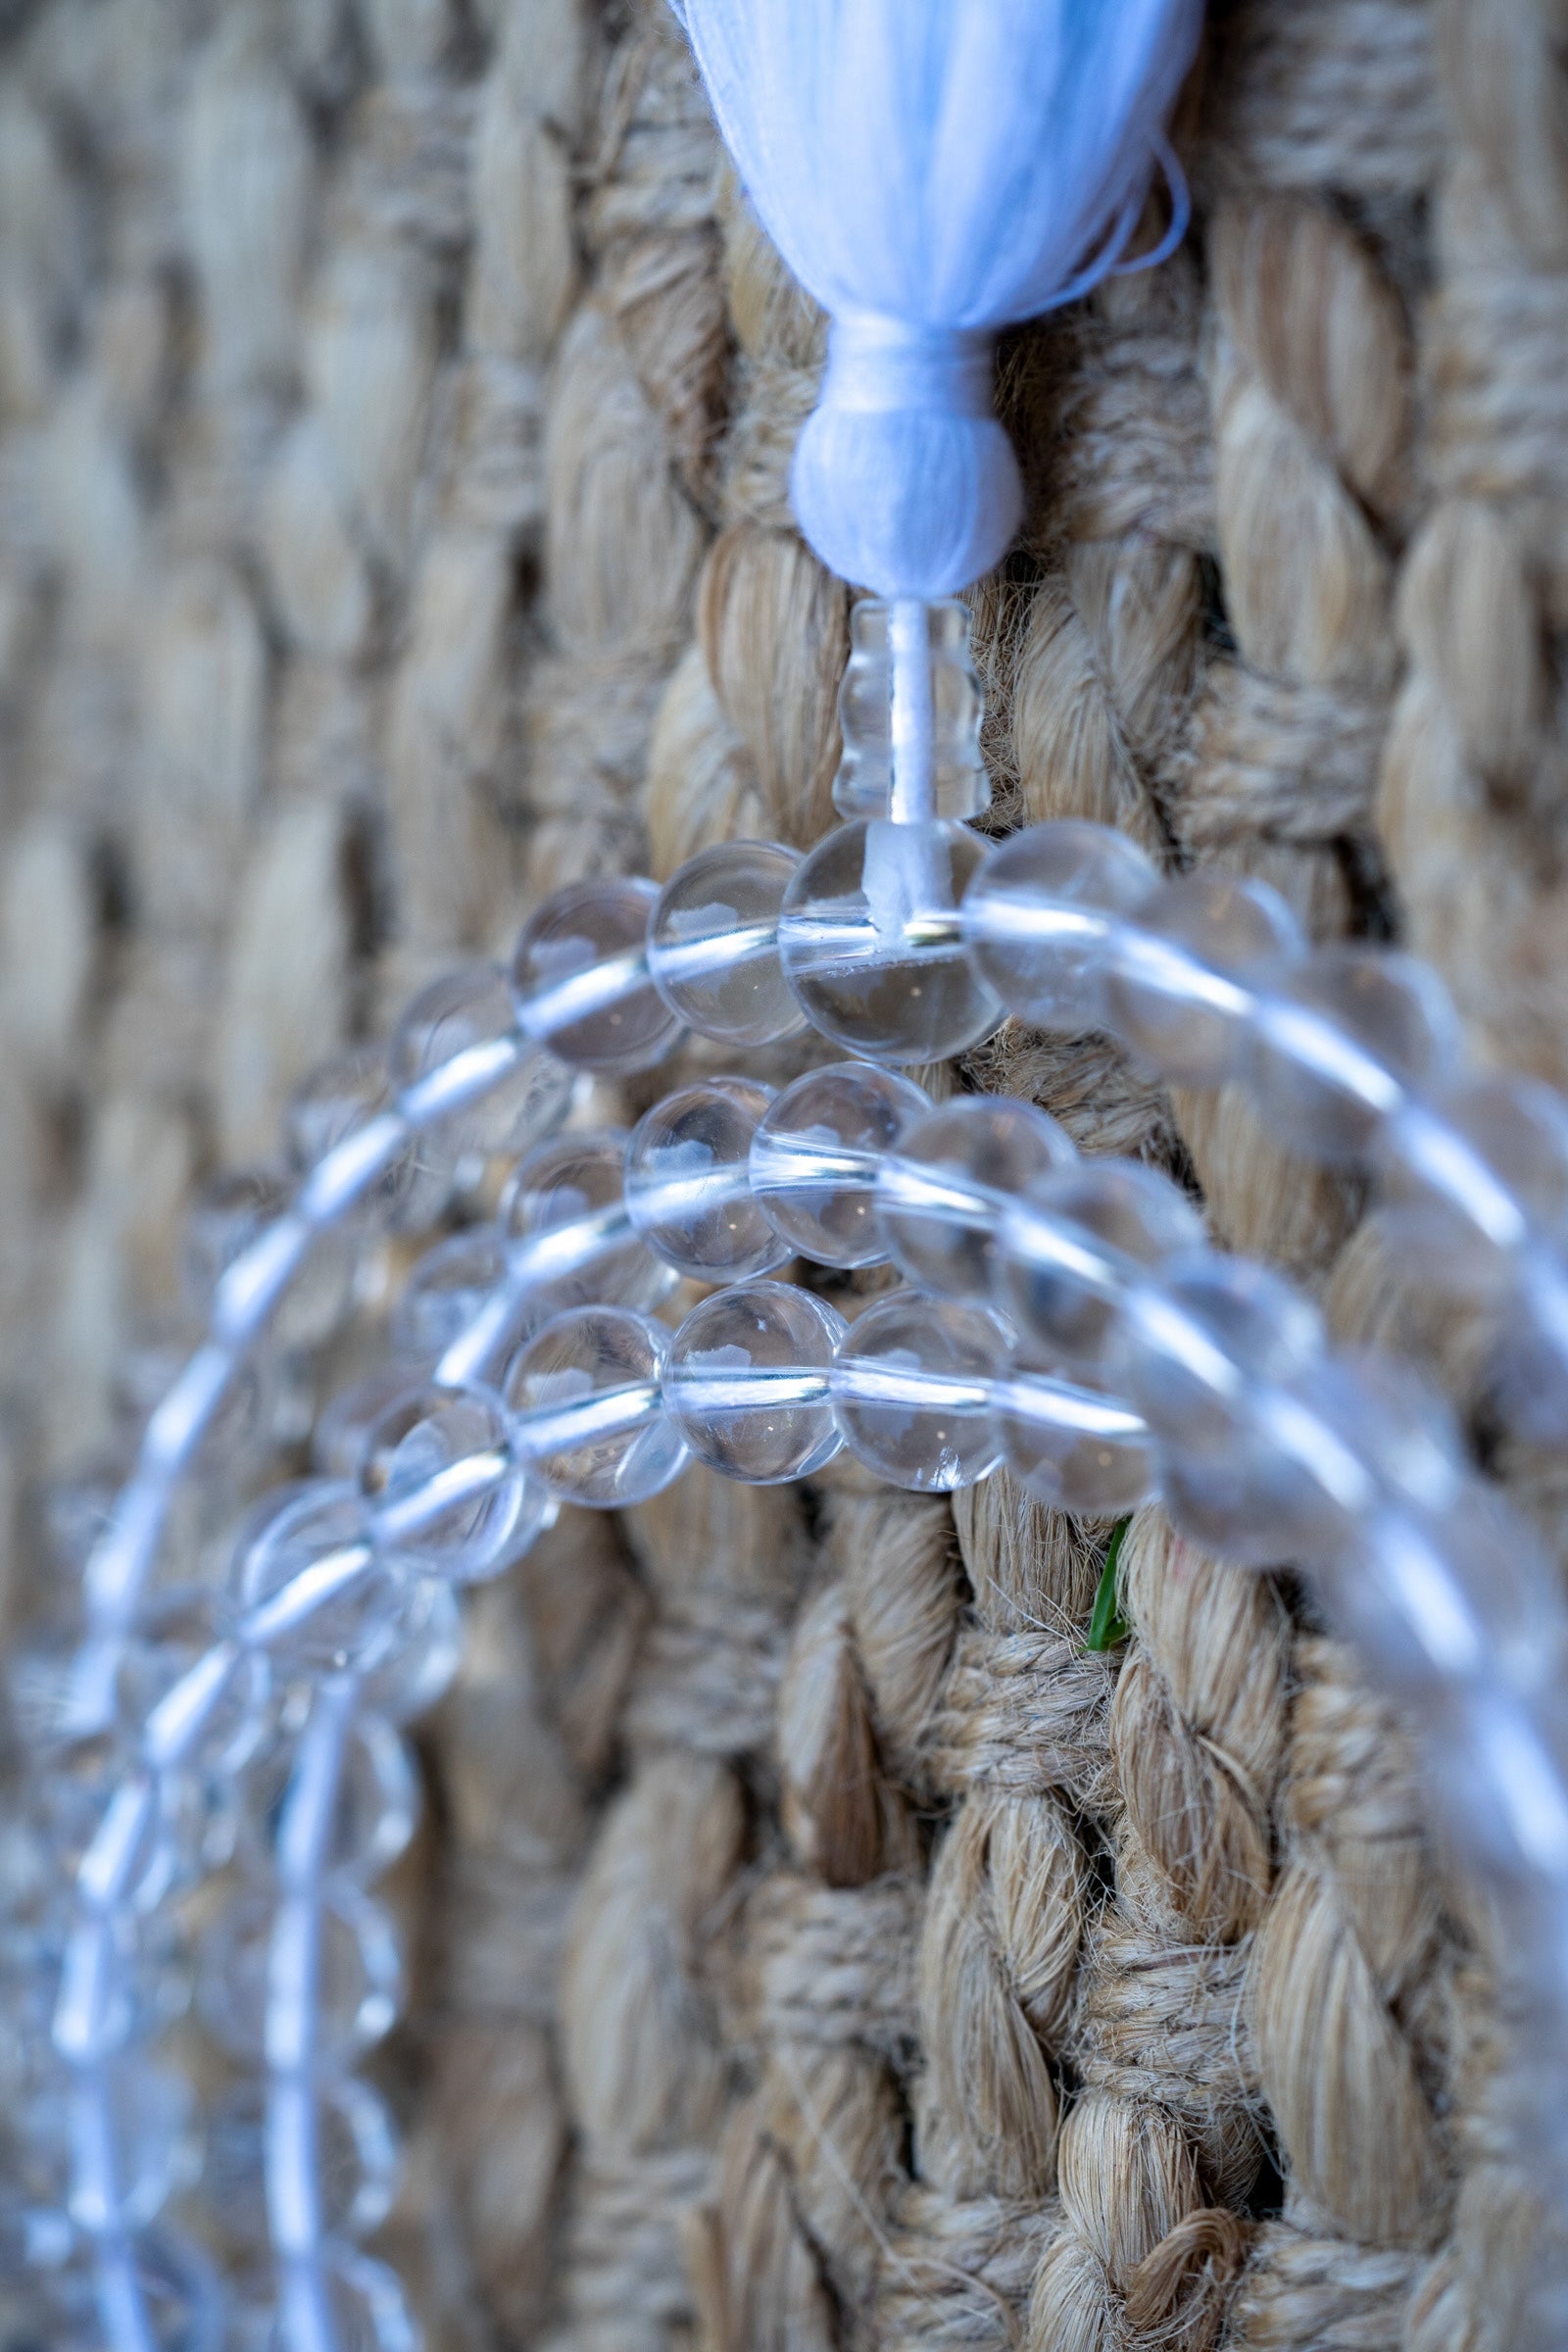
(932,171)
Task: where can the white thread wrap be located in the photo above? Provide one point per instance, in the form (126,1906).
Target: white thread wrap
(932,171)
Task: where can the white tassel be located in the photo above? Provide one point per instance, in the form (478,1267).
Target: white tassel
(931,171)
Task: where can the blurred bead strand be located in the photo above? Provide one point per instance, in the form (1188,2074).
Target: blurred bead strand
(1264,1447)
(1060,1315)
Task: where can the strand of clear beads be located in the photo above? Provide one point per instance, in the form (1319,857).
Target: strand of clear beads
(902,941)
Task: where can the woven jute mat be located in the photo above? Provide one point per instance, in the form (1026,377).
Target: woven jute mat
(814,1945)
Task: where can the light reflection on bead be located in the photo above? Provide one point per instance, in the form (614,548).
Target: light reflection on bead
(712,946)
(136,2144)
(579,978)
(590,1416)
(1340,1041)
(1075,1449)
(870,944)
(420,1669)
(686,1183)
(942,1190)
(375,1805)
(747,1383)
(1073,1244)
(356,2166)
(1179,987)
(1464,1179)
(231,1727)
(309,1588)
(1471,1589)
(180,2301)
(462,1011)
(1041,914)
(815,1156)
(345,1420)
(911,1392)
(349,2301)
(1195,1346)
(347,2002)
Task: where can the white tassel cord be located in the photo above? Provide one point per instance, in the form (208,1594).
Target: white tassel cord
(932,171)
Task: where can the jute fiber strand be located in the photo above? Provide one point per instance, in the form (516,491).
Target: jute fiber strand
(815,1945)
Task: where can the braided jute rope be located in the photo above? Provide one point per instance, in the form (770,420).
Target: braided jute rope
(822,1946)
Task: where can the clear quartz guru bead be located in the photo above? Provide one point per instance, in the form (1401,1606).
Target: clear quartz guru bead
(870,941)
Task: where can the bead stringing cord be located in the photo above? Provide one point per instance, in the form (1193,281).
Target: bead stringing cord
(1053,1303)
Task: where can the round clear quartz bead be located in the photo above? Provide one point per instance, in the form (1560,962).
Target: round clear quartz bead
(1341,1041)
(454,1443)
(1444,1595)
(815,1156)
(419,1671)
(1070,1248)
(170,1661)
(686,1183)
(250,1999)
(336,1102)
(571,1240)
(376,1804)
(1194,1347)
(1075,1449)
(1180,986)
(870,944)
(1041,914)
(912,1391)
(712,943)
(310,1589)
(347,2300)
(942,1190)
(143,2144)
(588,1412)
(1312,1462)
(229,1211)
(1464,1177)
(579,978)
(446,1290)
(356,2166)
(182,2301)
(748,1385)
(465,1015)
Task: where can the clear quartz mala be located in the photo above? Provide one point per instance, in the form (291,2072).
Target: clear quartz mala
(1061,1316)
(1058,1315)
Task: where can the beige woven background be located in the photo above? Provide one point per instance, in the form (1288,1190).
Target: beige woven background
(815,1946)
